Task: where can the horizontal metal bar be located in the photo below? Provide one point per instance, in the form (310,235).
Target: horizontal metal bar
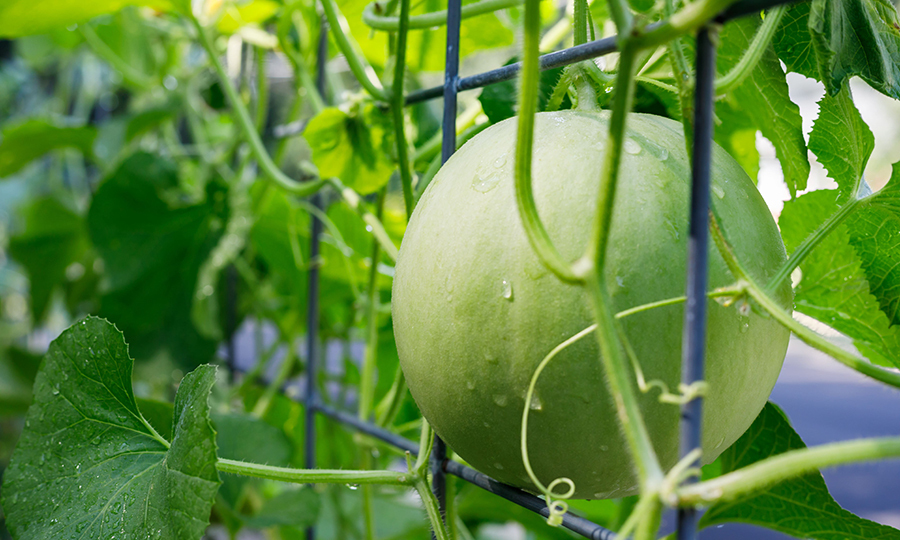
(369,429)
(586,51)
(573,522)
(591,49)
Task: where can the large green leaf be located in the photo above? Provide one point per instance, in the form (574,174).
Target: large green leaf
(27,17)
(54,237)
(835,287)
(841,141)
(29,140)
(354,147)
(875,234)
(833,40)
(763,98)
(802,506)
(153,252)
(89,466)
(857,37)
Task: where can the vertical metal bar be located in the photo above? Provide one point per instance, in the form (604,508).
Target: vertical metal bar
(448,146)
(694,337)
(312,306)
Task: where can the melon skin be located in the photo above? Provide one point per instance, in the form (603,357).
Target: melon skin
(475,311)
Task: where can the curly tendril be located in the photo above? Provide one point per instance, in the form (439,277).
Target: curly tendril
(556,504)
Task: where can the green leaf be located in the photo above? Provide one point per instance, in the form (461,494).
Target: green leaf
(89,466)
(793,42)
(54,237)
(27,17)
(500,100)
(875,234)
(25,142)
(152,253)
(763,97)
(736,133)
(835,287)
(290,508)
(842,141)
(354,147)
(801,507)
(856,37)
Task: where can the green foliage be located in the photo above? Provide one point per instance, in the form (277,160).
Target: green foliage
(84,433)
(53,239)
(800,507)
(31,139)
(153,246)
(354,147)
(763,98)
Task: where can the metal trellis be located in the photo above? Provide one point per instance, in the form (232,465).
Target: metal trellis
(695,310)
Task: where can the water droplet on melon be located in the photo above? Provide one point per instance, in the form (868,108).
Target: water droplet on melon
(506,289)
(632,147)
(500,161)
(500,400)
(720,193)
(483,183)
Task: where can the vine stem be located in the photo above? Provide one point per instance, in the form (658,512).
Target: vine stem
(813,240)
(358,65)
(315,476)
(778,468)
(246,125)
(807,335)
(754,53)
(397,105)
(432,20)
(686,20)
(352,198)
(101,49)
(537,234)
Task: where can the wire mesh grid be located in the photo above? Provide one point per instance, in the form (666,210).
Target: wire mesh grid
(695,309)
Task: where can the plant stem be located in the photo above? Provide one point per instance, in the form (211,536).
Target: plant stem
(580,22)
(813,240)
(352,198)
(433,510)
(791,464)
(687,20)
(367,377)
(397,106)
(621,15)
(315,476)
(531,221)
(618,380)
(753,54)
(274,386)
(262,91)
(249,130)
(779,314)
(432,20)
(621,106)
(357,62)
(390,404)
(101,49)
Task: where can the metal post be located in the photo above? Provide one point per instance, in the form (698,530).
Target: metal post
(694,337)
(448,146)
(312,306)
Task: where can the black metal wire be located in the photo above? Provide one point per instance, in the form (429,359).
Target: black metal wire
(312,306)
(448,146)
(694,337)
